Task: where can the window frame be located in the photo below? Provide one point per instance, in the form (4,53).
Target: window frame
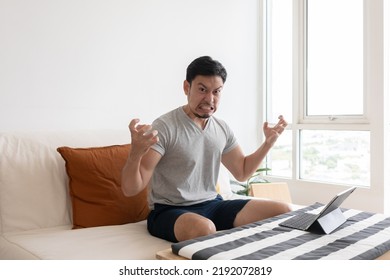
(375,119)
(301,27)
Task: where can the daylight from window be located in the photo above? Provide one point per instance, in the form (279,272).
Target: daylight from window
(335,57)
(335,156)
(334,89)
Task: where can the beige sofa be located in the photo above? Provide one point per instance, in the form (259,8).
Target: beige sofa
(69,205)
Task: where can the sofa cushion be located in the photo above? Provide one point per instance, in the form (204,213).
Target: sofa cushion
(95,187)
(32,180)
(118,242)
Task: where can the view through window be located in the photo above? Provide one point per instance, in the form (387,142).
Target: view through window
(332,62)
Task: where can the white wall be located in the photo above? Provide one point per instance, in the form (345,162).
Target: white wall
(90,64)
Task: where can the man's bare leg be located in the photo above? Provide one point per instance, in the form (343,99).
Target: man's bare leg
(191,225)
(257,209)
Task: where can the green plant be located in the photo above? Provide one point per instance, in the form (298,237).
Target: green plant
(253,179)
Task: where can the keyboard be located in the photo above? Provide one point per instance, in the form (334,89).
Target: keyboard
(301,221)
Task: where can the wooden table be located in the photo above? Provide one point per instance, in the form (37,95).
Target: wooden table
(168,255)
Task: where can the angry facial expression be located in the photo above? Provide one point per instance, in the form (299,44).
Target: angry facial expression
(203,96)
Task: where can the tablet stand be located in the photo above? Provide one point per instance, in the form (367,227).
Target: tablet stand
(331,221)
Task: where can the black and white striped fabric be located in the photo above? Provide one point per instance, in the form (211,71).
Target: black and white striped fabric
(363,236)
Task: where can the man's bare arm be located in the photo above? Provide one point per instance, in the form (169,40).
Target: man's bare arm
(241,166)
(142,160)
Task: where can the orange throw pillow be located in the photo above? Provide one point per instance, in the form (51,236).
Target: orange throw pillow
(95,187)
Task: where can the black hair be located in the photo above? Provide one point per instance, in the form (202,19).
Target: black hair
(205,66)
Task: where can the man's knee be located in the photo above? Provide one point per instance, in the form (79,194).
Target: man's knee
(257,210)
(285,208)
(192,225)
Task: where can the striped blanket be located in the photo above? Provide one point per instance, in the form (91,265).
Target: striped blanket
(363,236)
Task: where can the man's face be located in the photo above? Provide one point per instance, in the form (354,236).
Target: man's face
(203,95)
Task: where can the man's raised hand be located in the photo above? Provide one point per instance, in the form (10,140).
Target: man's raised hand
(142,137)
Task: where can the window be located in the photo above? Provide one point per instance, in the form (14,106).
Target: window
(317,55)
(335,156)
(278,56)
(334,72)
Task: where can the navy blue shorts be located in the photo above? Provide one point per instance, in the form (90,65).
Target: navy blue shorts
(221,212)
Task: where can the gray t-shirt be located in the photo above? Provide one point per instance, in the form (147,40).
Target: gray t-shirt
(188,170)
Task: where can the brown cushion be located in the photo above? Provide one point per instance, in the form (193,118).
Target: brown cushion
(95,187)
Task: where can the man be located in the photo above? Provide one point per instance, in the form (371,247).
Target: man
(179,156)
